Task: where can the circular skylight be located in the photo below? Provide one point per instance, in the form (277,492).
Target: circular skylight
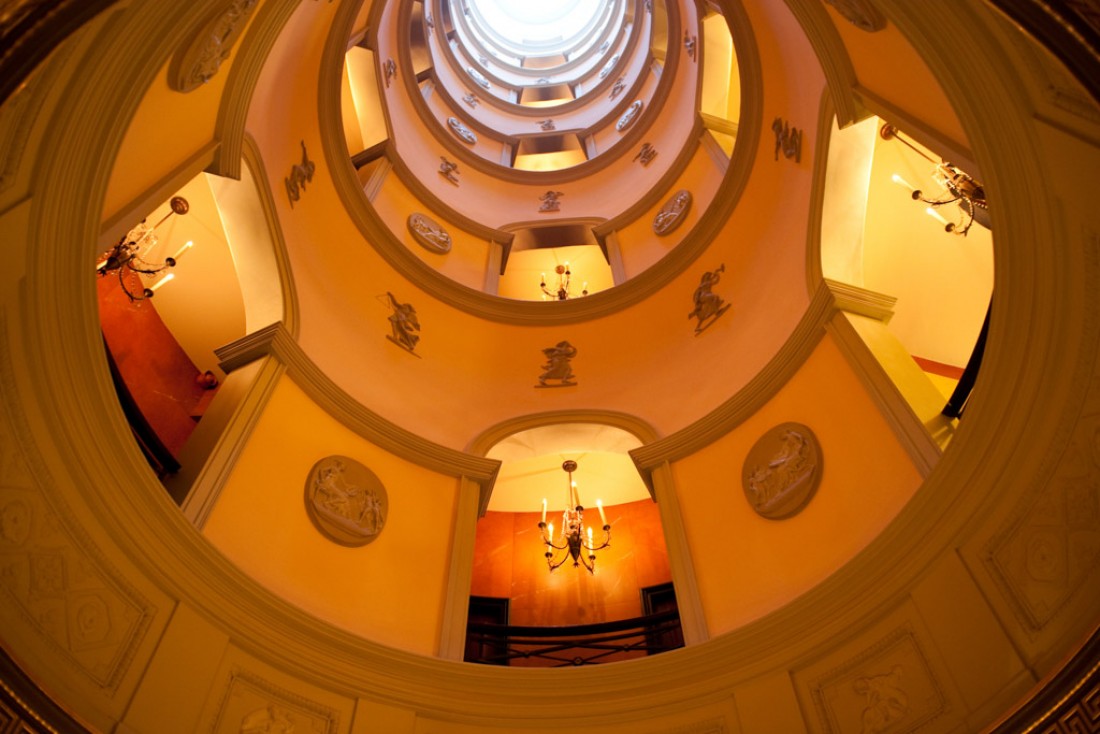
(536,22)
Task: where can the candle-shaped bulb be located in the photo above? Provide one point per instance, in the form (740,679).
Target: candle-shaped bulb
(902,182)
(935,215)
(603,517)
(544,510)
(162,281)
(549,533)
(186,246)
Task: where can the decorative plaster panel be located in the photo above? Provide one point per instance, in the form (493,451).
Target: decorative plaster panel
(51,578)
(889,686)
(252,705)
(1044,557)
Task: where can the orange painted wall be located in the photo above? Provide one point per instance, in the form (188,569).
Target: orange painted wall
(158,373)
(748,566)
(509,563)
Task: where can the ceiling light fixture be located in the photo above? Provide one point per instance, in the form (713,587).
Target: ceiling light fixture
(561,293)
(125,257)
(573,538)
(961,188)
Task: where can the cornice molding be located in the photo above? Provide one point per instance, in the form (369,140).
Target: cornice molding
(832,54)
(727,416)
(248,61)
(862,301)
(252,156)
(277,342)
(501,310)
(31,32)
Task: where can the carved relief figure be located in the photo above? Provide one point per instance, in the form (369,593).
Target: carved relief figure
(629,116)
(558,367)
(464,133)
(886,701)
(550,201)
(269,720)
(603,48)
(860,13)
(403,323)
(609,66)
(15,522)
(617,88)
(429,22)
(470,99)
(428,233)
(346,501)
(784,471)
(477,77)
(199,62)
(690,43)
(389,70)
(708,306)
(300,175)
(447,170)
(787,139)
(646,154)
(672,213)
(546,125)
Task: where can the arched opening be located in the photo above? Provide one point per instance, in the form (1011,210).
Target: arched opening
(613,597)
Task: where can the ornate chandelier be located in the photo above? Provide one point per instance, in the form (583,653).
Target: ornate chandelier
(125,257)
(960,187)
(573,539)
(561,293)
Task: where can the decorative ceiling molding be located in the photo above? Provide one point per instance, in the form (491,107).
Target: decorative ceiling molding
(248,61)
(1025,400)
(832,54)
(510,311)
(276,341)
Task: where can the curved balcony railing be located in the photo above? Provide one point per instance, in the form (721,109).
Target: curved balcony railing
(586,644)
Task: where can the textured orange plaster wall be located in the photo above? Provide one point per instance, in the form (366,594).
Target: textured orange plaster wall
(748,566)
(509,563)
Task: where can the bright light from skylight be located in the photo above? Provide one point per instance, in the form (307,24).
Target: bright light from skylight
(536,21)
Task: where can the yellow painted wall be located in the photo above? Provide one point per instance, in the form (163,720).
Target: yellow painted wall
(390,590)
(748,566)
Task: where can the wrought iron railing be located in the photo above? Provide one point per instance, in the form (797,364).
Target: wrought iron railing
(587,644)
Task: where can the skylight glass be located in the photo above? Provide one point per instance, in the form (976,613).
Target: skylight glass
(536,22)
